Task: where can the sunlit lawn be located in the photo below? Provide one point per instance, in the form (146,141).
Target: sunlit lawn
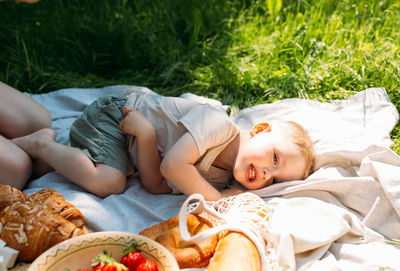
(240,52)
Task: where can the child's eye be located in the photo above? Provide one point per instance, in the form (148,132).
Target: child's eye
(275,159)
(273,180)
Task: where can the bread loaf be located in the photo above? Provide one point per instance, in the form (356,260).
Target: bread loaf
(167,234)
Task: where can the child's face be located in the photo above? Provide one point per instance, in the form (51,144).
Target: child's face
(267,158)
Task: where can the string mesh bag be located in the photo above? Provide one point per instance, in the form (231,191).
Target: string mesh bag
(246,213)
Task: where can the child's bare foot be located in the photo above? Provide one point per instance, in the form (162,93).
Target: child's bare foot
(32,142)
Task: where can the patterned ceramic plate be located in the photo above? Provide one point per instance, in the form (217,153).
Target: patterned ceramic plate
(78,252)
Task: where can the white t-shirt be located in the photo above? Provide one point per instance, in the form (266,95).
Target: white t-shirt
(210,126)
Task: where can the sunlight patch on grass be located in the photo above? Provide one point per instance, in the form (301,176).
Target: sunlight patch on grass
(238,51)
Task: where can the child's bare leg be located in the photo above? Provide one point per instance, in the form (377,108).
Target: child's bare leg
(99,179)
(15,164)
(40,168)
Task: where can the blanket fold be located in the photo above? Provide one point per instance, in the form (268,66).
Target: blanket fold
(339,218)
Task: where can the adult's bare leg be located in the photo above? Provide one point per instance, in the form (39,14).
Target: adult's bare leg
(19,116)
(15,164)
(99,179)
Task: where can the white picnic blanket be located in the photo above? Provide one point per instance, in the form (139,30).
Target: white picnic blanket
(337,219)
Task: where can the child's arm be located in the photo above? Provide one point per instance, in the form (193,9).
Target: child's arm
(231,192)
(178,167)
(137,125)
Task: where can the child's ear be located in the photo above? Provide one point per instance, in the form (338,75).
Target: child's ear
(260,127)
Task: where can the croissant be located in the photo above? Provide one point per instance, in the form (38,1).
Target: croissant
(31,228)
(59,205)
(33,224)
(9,195)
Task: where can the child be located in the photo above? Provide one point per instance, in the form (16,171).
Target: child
(177,145)
(19,116)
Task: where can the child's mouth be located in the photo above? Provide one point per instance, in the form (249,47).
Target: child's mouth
(251,173)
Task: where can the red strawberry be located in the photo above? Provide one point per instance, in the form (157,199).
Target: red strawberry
(131,257)
(104,262)
(147,265)
(132,260)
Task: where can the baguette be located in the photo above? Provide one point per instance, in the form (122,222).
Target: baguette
(235,252)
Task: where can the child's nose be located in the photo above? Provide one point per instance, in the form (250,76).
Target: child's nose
(266,173)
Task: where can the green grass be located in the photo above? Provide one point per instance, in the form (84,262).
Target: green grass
(240,52)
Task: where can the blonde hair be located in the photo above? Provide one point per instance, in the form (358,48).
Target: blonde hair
(299,136)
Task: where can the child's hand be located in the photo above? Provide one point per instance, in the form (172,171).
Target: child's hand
(135,123)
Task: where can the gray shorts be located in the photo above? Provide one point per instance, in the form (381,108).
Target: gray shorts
(97,133)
